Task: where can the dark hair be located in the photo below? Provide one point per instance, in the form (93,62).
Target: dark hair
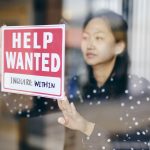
(119,29)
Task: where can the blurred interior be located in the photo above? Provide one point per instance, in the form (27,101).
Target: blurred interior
(43,132)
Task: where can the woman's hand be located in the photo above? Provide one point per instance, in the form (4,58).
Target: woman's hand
(1,36)
(0,50)
(72,119)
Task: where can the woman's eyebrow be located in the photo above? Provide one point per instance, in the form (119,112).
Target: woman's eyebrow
(100,32)
(97,32)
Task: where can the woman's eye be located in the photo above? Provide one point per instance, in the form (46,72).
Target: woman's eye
(99,38)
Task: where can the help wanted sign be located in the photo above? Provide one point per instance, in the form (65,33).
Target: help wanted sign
(33,60)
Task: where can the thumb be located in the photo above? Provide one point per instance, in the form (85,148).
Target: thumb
(61,120)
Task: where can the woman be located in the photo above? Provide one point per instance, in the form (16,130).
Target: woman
(104,48)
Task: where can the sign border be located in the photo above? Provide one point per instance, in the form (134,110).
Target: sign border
(61,26)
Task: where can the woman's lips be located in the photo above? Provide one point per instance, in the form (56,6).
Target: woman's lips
(90,55)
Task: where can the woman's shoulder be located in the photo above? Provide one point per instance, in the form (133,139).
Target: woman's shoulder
(138,85)
(76,79)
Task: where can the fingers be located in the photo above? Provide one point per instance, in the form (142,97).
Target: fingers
(67,105)
(64,105)
(60,105)
(0,37)
(73,108)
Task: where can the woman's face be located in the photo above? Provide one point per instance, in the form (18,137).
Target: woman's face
(98,43)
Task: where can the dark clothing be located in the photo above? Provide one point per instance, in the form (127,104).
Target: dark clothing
(121,112)
(24,106)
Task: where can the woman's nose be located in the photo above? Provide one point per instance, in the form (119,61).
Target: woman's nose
(90,44)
